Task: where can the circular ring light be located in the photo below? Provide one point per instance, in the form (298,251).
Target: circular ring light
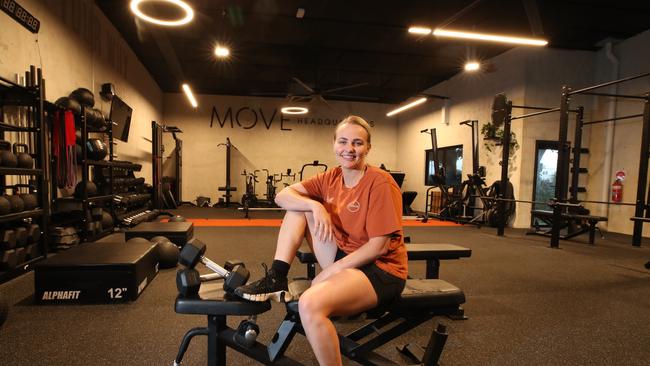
(189,13)
(294,110)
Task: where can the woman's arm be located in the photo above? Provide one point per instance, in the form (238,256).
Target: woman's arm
(367,253)
(295,198)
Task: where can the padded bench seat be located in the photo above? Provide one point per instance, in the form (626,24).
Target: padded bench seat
(430,252)
(417,296)
(213,300)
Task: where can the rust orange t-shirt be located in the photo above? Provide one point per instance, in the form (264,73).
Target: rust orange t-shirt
(371,208)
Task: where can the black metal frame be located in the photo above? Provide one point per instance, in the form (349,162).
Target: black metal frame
(642,207)
(358,345)
(32,96)
(641,211)
(227,188)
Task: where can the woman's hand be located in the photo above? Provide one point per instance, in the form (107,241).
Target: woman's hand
(323,230)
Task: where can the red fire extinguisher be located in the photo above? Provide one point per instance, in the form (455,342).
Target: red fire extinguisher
(617,191)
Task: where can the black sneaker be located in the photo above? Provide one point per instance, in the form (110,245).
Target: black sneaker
(269,287)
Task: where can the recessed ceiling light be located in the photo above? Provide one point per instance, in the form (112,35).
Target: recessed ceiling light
(221,51)
(189,95)
(300,13)
(407,106)
(294,110)
(420,30)
(489,37)
(189,13)
(472,66)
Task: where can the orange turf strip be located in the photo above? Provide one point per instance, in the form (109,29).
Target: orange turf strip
(277,222)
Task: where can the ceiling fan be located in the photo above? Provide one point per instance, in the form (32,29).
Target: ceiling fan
(322,95)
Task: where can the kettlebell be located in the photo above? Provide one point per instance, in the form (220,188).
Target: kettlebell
(17,204)
(8,158)
(5,206)
(24,160)
(30,201)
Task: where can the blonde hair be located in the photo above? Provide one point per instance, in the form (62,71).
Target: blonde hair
(354,120)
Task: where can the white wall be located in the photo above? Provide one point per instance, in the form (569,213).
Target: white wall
(78,47)
(276,142)
(471,99)
(632,55)
(535,77)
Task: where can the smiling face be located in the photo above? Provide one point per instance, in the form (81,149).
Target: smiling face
(351,146)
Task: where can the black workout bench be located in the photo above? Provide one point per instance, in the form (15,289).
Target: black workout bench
(431,253)
(420,301)
(572,223)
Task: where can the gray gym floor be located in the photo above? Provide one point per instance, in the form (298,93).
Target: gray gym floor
(527,305)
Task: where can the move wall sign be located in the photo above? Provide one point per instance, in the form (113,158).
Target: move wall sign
(247,118)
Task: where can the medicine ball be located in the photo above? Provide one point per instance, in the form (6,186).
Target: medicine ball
(84,96)
(159,239)
(70,104)
(138,241)
(96,149)
(168,253)
(5,206)
(177,218)
(17,204)
(89,187)
(95,118)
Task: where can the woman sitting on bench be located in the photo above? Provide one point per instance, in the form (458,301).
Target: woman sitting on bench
(353,215)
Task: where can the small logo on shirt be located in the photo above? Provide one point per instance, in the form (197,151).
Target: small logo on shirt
(354,206)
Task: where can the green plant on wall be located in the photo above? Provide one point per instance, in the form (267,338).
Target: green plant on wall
(493,137)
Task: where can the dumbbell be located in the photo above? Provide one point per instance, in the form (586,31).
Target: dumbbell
(193,253)
(188,281)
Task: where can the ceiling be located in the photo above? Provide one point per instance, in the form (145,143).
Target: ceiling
(342,43)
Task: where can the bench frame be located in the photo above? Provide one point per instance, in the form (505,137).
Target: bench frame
(358,345)
(573,223)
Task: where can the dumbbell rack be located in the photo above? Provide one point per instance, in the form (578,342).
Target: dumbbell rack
(17,255)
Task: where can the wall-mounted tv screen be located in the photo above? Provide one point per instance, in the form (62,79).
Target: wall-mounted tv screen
(450,158)
(121,118)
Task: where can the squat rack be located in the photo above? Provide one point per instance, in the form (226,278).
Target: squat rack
(506,112)
(642,214)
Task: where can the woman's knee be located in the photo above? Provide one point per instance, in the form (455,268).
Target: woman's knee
(311,305)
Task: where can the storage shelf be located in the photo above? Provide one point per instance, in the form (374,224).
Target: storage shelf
(21,215)
(20,171)
(88,200)
(19,270)
(14,94)
(10,127)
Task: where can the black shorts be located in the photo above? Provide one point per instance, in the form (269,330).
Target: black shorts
(387,287)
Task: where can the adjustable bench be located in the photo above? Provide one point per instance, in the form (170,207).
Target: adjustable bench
(573,223)
(432,253)
(420,301)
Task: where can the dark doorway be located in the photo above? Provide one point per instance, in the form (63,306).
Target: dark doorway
(546,153)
